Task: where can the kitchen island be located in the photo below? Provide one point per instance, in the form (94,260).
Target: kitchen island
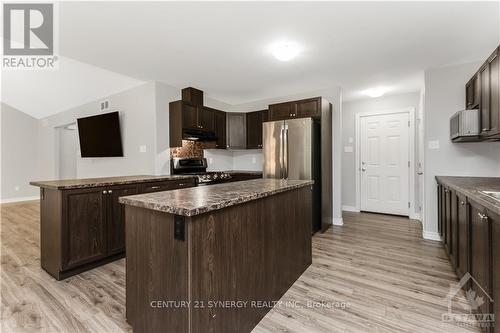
(214,258)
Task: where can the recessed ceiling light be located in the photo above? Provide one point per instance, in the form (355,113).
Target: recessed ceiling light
(285,51)
(375,92)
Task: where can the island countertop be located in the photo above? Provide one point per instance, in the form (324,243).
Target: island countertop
(67,184)
(203,199)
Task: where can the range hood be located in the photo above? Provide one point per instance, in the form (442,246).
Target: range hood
(198,135)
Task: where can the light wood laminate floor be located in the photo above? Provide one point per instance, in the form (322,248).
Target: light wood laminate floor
(390,279)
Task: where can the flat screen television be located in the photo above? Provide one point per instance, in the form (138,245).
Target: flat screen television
(100,135)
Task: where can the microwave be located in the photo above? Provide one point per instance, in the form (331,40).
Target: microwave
(464,125)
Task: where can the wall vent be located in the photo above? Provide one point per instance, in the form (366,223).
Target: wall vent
(104,105)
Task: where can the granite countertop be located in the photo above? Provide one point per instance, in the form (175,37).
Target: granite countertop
(203,199)
(246,172)
(472,187)
(67,184)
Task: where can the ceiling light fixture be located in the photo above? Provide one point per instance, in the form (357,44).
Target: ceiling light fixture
(285,51)
(375,92)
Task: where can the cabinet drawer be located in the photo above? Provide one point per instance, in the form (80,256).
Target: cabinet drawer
(166,185)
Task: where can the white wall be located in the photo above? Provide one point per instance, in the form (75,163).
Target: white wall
(137,109)
(349,111)
(19,154)
(444,95)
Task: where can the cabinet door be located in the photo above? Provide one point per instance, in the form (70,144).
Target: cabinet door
(477,91)
(463,236)
(189,116)
(220,129)
(308,108)
(480,254)
(236,130)
(206,119)
(494,94)
(447,220)
(116,217)
(84,227)
(440,210)
(495,251)
(485,100)
(469,94)
(281,111)
(453,228)
(254,129)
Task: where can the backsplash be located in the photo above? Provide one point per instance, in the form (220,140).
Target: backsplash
(191,149)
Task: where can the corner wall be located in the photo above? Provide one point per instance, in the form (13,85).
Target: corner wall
(445,95)
(19,134)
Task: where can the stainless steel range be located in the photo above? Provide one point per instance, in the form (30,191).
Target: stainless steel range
(198,168)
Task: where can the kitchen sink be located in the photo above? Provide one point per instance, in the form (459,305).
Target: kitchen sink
(494,195)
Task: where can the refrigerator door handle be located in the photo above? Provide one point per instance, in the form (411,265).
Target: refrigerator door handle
(282,139)
(285,154)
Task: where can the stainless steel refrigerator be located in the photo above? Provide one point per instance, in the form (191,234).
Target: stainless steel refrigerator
(292,150)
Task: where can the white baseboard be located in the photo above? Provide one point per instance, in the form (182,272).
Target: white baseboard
(350,209)
(338,221)
(415,216)
(19,199)
(431,236)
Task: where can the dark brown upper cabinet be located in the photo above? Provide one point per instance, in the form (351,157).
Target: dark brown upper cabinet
(186,116)
(473,93)
(310,107)
(220,129)
(236,130)
(483,92)
(254,128)
(484,75)
(193,96)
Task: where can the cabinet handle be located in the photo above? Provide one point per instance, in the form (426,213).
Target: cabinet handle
(462,203)
(110,191)
(446,190)
(104,192)
(482,216)
(485,130)
(155,187)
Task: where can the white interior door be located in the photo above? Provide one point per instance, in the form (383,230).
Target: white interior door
(384,156)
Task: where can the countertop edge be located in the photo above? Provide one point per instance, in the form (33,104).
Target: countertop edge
(107,183)
(213,207)
(474,195)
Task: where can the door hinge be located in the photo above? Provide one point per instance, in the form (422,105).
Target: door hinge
(408,164)
(408,204)
(179,227)
(408,123)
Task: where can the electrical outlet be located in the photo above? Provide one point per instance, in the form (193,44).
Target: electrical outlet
(16,188)
(433,144)
(254,160)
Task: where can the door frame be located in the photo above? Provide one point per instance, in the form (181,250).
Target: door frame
(411,154)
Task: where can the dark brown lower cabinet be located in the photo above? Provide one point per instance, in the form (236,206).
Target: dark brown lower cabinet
(481,255)
(84,228)
(116,217)
(494,220)
(462,262)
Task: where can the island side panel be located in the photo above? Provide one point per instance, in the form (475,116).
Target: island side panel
(156,270)
(51,231)
(249,252)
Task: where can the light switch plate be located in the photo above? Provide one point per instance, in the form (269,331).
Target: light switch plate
(433,144)
(348,149)
(142,149)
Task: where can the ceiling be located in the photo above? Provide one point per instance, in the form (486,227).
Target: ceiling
(223,47)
